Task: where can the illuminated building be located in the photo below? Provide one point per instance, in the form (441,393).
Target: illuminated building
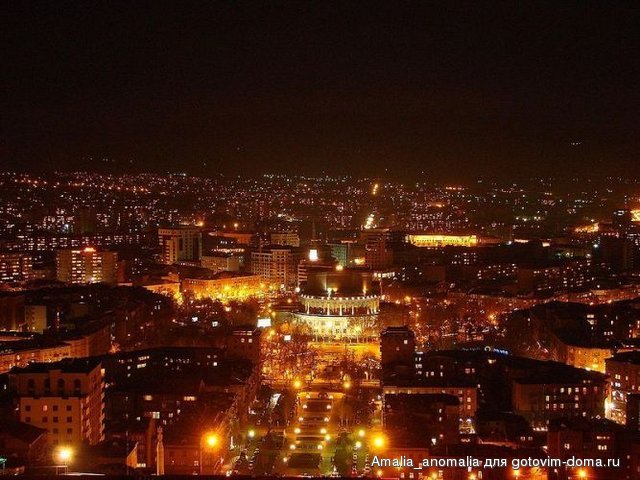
(339,303)
(221,263)
(225,286)
(623,370)
(16,267)
(556,390)
(590,438)
(65,398)
(589,357)
(180,244)
(571,275)
(45,242)
(536,390)
(86,266)
(433,240)
(285,238)
(277,265)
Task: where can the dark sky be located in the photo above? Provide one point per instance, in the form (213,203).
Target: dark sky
(452,89)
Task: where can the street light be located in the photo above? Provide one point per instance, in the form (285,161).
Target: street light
(251,433)
(379,441)
(64,454)
(582,473)
(210,440)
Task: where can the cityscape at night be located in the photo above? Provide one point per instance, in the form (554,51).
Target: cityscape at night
(304,239)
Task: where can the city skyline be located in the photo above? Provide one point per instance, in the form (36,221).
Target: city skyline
(381,240)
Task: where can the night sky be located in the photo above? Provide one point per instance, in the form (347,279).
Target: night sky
(452,89)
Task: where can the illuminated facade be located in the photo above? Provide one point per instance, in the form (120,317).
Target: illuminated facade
(225,286)
(180,244)
(66,399)
(433,240)
(16,267)
(623,370)
(86,266)
(277,265)
(339,304)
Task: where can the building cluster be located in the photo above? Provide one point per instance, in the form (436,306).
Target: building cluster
(482,399)
(143,315)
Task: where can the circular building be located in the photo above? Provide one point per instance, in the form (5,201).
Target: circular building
(339,304)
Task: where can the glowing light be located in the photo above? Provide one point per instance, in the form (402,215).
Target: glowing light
(441,240)
(292,447)
(64,454)
(323,431)
(379,441)
(346,385)
(582,473)
(252,433)
(592,228)
(296,431)
(211,440)
(358,444)
(361,433)
(313,255)
(89,250)
(297,384)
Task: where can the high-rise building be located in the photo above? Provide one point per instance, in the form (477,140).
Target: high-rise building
(277,265)
(16,267)
(66,398)
(180,244)
(86,265)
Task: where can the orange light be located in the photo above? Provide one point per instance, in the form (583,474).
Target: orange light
(211,440)
(379,441)
(89,250)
